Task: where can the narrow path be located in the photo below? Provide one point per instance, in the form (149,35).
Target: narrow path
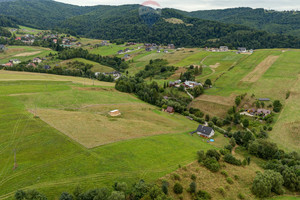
(188,93)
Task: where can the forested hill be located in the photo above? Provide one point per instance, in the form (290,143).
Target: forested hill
(286,22)
(115,22)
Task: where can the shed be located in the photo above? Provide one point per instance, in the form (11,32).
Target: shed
(170,110)
(114,113)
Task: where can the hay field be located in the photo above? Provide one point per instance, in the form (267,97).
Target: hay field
(260,69)
(92,126)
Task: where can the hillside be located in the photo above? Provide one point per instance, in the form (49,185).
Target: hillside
(281,22)
(114,22)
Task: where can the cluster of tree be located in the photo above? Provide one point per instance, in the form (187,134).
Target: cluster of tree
(286,165)
(124,22)
(119,191)
(114,62)
(200,194)
(4,32)
(191,73)
(158,69)
(151,93)
(6,21)
(281,22)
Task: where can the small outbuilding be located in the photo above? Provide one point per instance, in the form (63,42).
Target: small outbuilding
(170,110)
(114,113)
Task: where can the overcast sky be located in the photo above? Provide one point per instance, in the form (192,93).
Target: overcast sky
(191,5)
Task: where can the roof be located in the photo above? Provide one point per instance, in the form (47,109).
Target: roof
(264,99)
(170,109)
(264,111)
(205,130)
(114,111)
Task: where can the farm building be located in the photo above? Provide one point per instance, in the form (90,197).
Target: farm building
(263,99)
(170,110)
(263,112)
(191,84)
(205,131)
(15,61)
(224,48)
(37,60)
(114,113)
(2,47)
(242,50)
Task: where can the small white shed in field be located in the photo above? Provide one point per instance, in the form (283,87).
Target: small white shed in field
(114,113)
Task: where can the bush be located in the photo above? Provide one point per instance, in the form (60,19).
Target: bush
(229,180)
(212,153)
(232,160)
(65,196)
(193,177)
(212,164)
(165,187)
(236,177)
(228,147)
(193,187)
(176,177)
(203,195)
(221,190)
(178,189)
(201,156)
(224,173)
(224,151)
(266,183)
(241,196)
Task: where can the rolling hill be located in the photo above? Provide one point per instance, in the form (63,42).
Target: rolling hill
(114,22)
(281,22)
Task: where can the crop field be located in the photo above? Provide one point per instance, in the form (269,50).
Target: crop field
(23,53)
(52,160)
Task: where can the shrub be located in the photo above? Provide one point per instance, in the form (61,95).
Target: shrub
(232,160)
(224,173)
(65,196)
(178,189)
(221,190)
(270,128)
(228,147)
(224,151)
(165,187)
(203,195)
(212,153)
(232,142)
(176,177)
(229,180)
(193,187)
(241,196)
(193,177)
(266,183)
(244,163)
(236,177)
(212,164)
(201,156)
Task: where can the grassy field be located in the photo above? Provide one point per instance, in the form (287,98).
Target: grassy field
(51,162)
(23,53)
(97,67)
(211,182)
(111,49)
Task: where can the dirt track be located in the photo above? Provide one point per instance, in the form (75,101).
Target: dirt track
(260,69)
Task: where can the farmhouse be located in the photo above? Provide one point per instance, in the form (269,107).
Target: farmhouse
(120,52)
(15,61)
(170,110)
(171,46)
(263,112)
(115,113)
(37,60)
(224,48)
(47,67)
(8,64)
(175,83)
(191,84)
(126,56)
(205,131)
(242,50)
(32,64)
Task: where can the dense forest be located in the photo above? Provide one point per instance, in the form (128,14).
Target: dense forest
(281,22)
(115,22)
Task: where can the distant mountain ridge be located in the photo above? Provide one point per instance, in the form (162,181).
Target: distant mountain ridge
(282,22)
(125,22)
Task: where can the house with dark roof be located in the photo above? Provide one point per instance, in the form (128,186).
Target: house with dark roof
(263,112)
(205,131)
(2,47)
(120,52)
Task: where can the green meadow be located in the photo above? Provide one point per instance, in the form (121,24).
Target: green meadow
(51,162)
